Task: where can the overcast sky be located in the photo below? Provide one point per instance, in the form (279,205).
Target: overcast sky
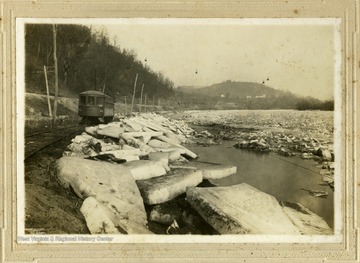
(298,56)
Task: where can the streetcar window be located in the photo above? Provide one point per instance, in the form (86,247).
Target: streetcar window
(91,100)
(82,100)
(100,101)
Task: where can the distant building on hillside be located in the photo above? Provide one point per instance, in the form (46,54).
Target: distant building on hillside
(248,97)
(261,97)
(222,96)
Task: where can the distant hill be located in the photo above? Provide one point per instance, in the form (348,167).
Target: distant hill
(232,89)
(247,95)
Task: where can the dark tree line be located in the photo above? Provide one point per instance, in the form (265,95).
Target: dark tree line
(278,100)
(312,104)
(87,60)
(248,95)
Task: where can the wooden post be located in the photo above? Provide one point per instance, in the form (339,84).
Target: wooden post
(142,89)
(145,102)
(47,91)
(104,85)
(95,75)
(133,98)
(125,106)
(56,76)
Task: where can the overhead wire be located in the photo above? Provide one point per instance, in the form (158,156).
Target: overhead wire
(287,161)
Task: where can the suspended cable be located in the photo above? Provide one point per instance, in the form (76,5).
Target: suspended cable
(273,155)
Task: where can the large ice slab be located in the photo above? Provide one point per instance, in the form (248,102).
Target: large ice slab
(98,217)
(162,189)
(162,146)
(305,220)
(240,209)
(210,170)
(112,185)
(111,131)
(218,171)
(125,154)
(145,169)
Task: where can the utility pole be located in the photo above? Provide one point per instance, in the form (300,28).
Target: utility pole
(56,75)
(125,106)
(47,91)
(104,86)
(145,102)
(133,98)
(142,89)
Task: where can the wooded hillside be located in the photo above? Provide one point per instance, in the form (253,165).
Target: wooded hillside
(87,60)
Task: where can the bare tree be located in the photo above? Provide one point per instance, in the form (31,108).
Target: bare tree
(56,76)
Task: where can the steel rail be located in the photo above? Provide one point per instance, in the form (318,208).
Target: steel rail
(51,142)
(49,131)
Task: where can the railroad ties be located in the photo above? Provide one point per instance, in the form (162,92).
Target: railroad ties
(38,141)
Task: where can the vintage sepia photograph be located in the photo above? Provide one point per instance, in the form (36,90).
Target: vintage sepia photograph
(195,129)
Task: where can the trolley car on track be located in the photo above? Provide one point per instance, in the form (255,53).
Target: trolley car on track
(95,107)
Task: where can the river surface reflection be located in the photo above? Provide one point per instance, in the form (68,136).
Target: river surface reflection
(281,178)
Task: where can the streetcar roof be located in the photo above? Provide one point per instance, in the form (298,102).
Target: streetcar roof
(95,93)
(92,92)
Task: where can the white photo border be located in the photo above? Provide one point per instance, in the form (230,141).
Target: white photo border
(343,246)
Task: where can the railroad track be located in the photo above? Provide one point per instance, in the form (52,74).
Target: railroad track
(38,141)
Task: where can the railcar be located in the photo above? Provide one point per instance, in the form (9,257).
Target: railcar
(95,106)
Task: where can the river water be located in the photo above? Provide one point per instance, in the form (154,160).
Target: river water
(281,177)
